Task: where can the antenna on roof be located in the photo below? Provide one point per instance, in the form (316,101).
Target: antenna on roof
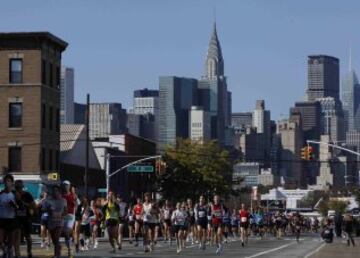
(350,58)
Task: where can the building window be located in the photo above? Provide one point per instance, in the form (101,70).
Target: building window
(57,158)
(15,159)
(51,73)
(43,72)
(43,116)
(51,119)
(57,122)
(15,74)
(43,159)
(58,77)
(50,160)
(15,115)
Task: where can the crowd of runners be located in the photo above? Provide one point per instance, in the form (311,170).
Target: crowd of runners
(205,222)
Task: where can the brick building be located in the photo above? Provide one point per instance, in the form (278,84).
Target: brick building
(30,103)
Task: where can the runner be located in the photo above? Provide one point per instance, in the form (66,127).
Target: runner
(7,215)
(138,213)
(24,212)
(217,213)
(201,212)
(86,214)
(69,219)
(191,232)
(297,224)
(226,223)
(278,225)
(166,216)
(150,218)
(131,223)
(57,209)
(122,219)
(95,221)
(44,222)
(234,221)
(111,217)
(259,220)
(210,233)
(156,214)
(244,224)
(179,217)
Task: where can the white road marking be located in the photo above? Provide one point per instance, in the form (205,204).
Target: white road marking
(315,251)
(269,251)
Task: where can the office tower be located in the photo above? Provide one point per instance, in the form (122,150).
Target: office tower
(310,117)
(176,97)
(351,101)
(146,101)
(213,94)
(145,114)
(262,123)
(333,168)
(323,77)
(241,120)
(291,137)
(67,95)
(331,119)
(107,119)
(30,65)
(79,113)
(199,124)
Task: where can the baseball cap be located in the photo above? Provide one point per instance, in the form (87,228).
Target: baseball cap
(66,182)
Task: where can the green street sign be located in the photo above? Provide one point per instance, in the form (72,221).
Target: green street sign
(140,169)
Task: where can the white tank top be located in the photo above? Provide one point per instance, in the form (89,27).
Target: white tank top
(6,210)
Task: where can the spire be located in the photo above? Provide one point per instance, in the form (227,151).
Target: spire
(350,59)
(214,65)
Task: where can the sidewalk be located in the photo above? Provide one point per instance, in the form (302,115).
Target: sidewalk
(338,249)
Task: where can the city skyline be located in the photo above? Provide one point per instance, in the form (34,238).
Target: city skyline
(140,47)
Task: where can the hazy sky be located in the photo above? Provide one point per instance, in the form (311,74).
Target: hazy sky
(118,46)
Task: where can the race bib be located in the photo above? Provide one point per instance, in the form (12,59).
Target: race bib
(201,214)
(243,219)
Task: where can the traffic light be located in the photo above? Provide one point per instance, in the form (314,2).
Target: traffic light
(160,166)
(310,152)
(305,153)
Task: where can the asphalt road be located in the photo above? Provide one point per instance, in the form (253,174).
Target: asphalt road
(271,247)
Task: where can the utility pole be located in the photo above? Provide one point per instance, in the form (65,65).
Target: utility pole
(87,144)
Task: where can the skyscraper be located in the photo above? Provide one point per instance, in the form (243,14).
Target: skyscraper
(213,94)
(176,97)
(291,137)
(262,123)
(351,101)
(106,119)
(331,119)
(199,124)
(143,118)
(67,95)
(310,117)
(323,77)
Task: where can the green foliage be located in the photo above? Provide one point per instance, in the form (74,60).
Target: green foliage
(338,206)
(312,198)
(357,196)
(195,168)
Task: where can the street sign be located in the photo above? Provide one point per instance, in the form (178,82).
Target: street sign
(53,176)
(140,169)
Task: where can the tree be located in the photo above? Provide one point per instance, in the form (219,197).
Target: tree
(194,168)
(357,196)
(338,206)
(312,198)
